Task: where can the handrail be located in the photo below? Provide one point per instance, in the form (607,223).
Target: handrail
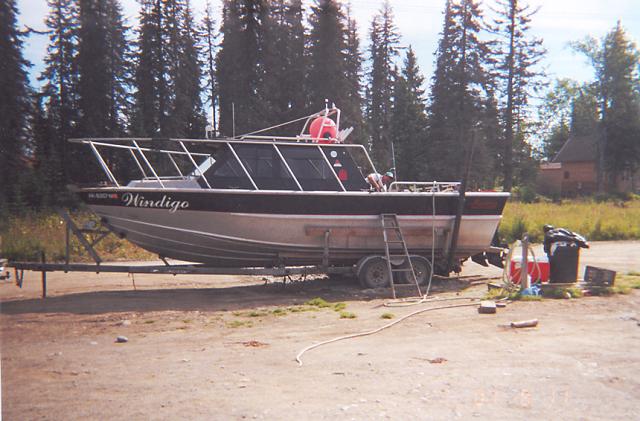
(243,167)
(104,165)
(148,164)
(195,165)
(425,186)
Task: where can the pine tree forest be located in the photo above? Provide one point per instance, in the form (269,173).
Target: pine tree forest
(242,65)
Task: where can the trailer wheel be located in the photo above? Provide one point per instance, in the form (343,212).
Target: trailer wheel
(373,272)
(422,269)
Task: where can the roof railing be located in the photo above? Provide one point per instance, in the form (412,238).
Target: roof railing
(424,186)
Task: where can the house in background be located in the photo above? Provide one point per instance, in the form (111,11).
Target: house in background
(574,171)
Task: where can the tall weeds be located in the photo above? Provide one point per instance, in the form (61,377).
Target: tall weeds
(613,220)
(25,237)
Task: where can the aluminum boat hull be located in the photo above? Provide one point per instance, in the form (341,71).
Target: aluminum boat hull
(263,229)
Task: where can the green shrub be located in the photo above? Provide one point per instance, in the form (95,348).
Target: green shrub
(318,302)
(339,306)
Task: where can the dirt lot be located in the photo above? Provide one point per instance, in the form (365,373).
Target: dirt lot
(224,348)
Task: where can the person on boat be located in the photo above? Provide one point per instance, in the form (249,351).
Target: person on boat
(380,182)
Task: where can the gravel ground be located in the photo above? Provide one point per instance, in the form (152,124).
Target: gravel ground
(224,347)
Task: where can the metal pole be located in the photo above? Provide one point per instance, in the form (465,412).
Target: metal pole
(524,269)
(66,243)
(104,165)
(195,166)
(44,275)
(461,200)
(255,186)
(148,163)
(284,161)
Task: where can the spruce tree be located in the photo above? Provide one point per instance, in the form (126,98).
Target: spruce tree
(60,80)
(47,166)
(327,72)
(228,66)
(294,78)
(282,57)
(409,120)
(208,36)
(352,108)
(148,73)
(383,39)
(14,106)
(516,55)
(168,72)
(186,113)
(461,99)
(103,80)
(240,66)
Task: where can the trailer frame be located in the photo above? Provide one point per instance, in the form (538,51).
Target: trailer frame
(167,269)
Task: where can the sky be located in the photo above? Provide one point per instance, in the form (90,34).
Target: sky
(419,22)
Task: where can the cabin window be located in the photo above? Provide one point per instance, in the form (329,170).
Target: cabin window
(310,168)
(346,168)
(227,173)
(265,167)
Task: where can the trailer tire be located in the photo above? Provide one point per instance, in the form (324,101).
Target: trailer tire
(373,272)
(422,269)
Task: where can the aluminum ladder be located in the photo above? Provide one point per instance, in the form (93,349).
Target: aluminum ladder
(392,235)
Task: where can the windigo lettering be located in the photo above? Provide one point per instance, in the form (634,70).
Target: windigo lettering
(166,202)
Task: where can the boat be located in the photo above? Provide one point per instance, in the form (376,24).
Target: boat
(260,200)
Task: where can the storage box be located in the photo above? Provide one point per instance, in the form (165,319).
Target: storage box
(532,269)
(595,276)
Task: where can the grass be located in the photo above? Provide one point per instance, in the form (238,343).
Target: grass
(572,292)
(611,220)
(500,293)
(339,306)
(25,237)
(314,304)
(387,316)
(347,315)
(239,323)
(624,284)
(318,302)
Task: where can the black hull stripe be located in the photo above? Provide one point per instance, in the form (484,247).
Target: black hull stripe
(266,203)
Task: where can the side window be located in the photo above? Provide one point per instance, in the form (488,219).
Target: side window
(265,167)
(227,173)
(345,167)
(310,168)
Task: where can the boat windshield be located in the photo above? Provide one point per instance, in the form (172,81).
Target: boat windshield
(295,166)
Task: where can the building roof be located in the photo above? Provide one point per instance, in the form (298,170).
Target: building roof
(578,148)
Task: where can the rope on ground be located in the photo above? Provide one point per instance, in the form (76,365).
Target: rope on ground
(406,302)
(371,332)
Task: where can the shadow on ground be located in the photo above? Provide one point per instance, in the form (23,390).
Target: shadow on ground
(217,299)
